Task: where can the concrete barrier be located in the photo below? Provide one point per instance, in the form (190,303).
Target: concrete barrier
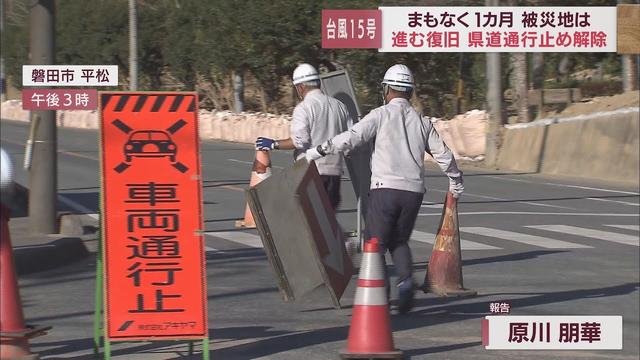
(602,147)
(521,149)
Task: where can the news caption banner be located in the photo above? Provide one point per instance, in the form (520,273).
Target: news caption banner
(585,332)
(44,77)
(472,29)
(152,242)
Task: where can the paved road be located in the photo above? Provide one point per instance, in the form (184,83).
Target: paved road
(548,246)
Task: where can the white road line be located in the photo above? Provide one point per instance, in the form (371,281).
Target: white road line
(615,201)
(590,233)
(533,213)
(78,207)
(505,200)
(239,237)
(562,185)
(241,161)
(429,238)
(251,163)
(522,238)
(432,205)
(626,227)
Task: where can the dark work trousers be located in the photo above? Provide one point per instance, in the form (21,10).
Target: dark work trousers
(390,218)
(331,184)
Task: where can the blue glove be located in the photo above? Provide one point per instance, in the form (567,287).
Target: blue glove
(265,144)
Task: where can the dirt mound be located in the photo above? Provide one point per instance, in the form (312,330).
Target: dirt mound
(601,103)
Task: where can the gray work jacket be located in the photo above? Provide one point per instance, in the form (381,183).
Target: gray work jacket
(402,136)
(315,120)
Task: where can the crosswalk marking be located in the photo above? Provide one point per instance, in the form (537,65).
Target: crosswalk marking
(626,227)
(502,213)
(615,201)
(254,241)
(429,238)
(590,233)
(239,237)
(523,238)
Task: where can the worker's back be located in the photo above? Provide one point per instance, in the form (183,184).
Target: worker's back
(401,139)
(326,118)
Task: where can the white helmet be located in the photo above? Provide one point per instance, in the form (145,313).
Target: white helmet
(398,75)
(304,73)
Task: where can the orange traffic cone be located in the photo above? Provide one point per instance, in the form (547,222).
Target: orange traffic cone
(14,334)
(370,332)
(444,272)
(261,170)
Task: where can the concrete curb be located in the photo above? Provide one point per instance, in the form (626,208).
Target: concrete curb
(60,252)
(19,200)
(79,224)
(35,253)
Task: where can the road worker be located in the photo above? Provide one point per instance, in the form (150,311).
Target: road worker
(402,135)
(316,118)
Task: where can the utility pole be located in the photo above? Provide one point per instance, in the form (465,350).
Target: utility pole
(494,102)
(3,85)
(43,177)
(133,46)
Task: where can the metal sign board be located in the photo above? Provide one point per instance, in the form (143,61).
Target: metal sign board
(338,85)
(301,236)
(152,216)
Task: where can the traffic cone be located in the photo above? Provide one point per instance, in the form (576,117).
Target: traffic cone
(370,331)
(261,170)
(14,334)
(444,271)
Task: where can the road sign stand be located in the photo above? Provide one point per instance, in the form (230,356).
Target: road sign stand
(338,85)
(166,120)
(97,315)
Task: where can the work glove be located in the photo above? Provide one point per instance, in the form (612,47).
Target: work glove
(312,154)
(456,187)
(265,144)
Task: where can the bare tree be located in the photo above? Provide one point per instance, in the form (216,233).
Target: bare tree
(519,80)
(629,72)
(238,91)
(537,77)
(629,65)
(519,84)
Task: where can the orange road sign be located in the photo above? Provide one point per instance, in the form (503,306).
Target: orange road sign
(152,216)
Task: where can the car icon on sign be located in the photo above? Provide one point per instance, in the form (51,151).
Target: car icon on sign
(150,143)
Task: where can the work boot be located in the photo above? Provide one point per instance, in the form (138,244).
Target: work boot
(406,290)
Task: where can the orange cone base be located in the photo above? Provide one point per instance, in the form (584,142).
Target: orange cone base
(15,348)
(369,332)
(246,224)
(241,224)
(385,355)
(444,276)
